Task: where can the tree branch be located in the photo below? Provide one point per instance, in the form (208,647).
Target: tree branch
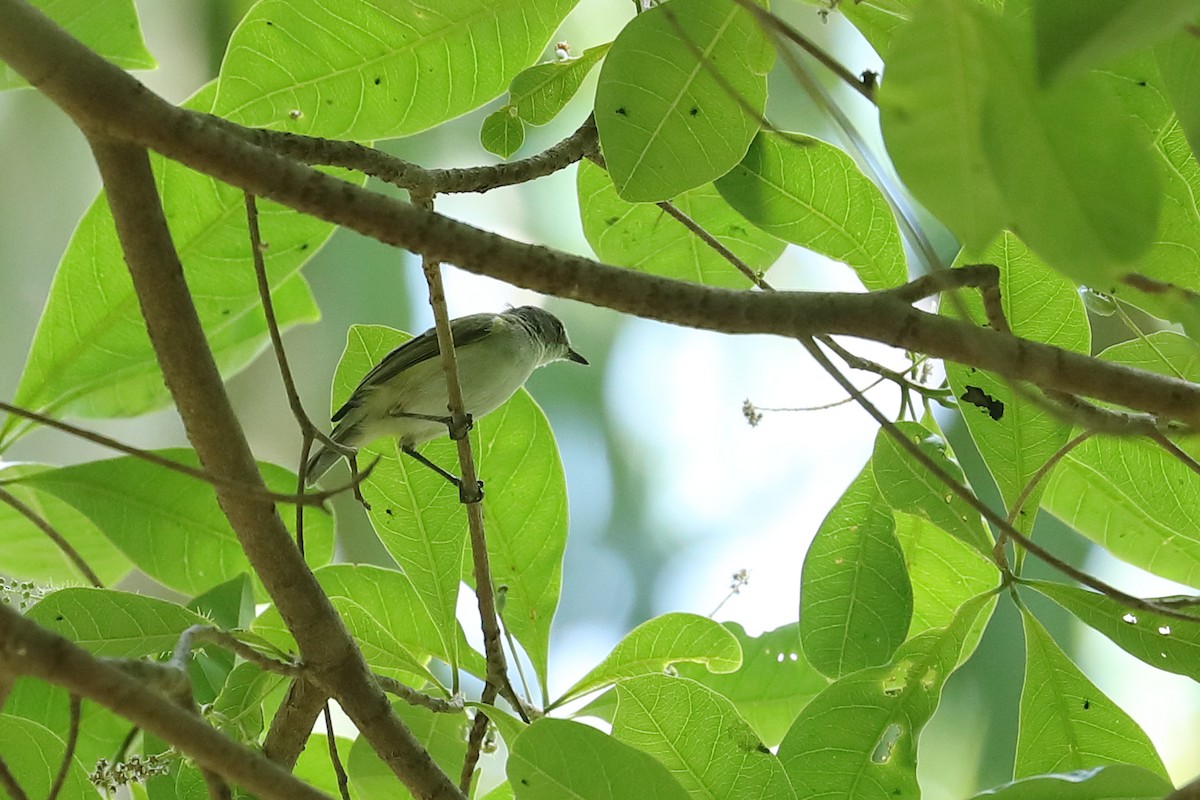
(103,98)
(195,384)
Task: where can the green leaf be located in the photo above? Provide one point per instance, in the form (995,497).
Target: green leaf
(440,734)
(644,237)
(931,112)
(557,758)
(773,683)
(1113,782)
(170,524)
(33,754)
(361,70)
(237,710)
(29,554)
(908,486)
(699,736)
(1066,723)
(1128,494)
(110,29)
(1078,177)
(658,643)
(1163,642)
(810,193)
(1179,64)
(858,739)
(1073,37)
(1015,436)
(680,96)
(855,596)
(114,624)
(91,355)
(983,147)
(389,620)
(945,573)
(541,91)
(502,132)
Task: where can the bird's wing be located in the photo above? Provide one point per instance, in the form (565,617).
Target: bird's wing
(414,351)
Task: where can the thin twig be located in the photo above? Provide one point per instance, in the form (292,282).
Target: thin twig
(64,768)
(315,499)
(316,151)
(343,781)
(197,634)
(9,782)
(59,540)
(415,698)
(469,488)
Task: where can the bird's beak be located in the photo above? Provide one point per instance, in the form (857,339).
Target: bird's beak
(573,356)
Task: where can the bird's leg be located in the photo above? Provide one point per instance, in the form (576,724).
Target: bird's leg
(456,431)
(353,459)
(463,494)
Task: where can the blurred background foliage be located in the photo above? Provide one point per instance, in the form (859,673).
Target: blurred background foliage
(671,490)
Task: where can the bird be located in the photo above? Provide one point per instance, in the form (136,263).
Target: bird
(404,396)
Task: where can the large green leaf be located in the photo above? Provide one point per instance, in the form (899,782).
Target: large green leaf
(658,643)
(810,193)
(32,756)
(644,237)
(699,736)
(91,355)
(931,111)
(169,524)
(557,758)
(1163,642)
(1073,37)
(29,554)
(1078,177)
(1128,494)
(114,624)
(110,29)
(364,70)
(773,683)
(857,740)
(855,596)
(984,147)
(1016,436)
(1067,723)
(422,524)
(680,95)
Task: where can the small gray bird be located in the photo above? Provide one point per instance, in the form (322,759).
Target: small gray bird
(404,395)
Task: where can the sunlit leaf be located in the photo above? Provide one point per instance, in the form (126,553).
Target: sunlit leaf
(644,237)
(810,193)
(855,596)
(679,96)
(699,736)
(362,70)
(659,642)
(1066,722)
(558,758)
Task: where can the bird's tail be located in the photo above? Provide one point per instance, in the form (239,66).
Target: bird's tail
(320,461)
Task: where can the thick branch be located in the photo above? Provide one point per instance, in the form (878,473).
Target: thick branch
(191,376)
(27,649)
(101,97)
